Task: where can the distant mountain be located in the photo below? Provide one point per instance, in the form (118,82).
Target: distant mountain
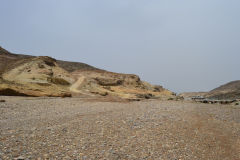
(25,75)
(230,90)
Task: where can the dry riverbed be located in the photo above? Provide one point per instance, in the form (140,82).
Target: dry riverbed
(74,128)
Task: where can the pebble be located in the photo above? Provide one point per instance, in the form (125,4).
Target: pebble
(77,129)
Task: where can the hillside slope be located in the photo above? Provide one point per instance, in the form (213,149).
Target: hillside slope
(26,75)
(8,61)
(127,86)
(230,90)
(36,76)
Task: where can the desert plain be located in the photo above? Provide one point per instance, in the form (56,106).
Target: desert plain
(88,128)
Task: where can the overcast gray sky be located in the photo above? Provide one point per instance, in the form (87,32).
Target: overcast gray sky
(184,45)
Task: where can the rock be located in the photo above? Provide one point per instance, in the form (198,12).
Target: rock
(101,93)
(145,96)
(2,100)
(10,92)
(20,158)
(179,98)
(158,88)
(63,95)
(108,81)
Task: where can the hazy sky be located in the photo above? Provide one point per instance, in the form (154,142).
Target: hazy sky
(184,45)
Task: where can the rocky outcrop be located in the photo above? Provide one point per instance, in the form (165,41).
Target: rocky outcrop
(127,86)
(22,75)
(39,76)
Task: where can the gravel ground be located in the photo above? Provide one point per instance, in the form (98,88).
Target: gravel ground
(73,128)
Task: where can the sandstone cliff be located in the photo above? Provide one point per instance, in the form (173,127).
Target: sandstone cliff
(24,75)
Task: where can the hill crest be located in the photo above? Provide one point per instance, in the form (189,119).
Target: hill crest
(46,76)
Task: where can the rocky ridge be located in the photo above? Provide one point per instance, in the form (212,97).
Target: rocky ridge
(24,75)
(229,90)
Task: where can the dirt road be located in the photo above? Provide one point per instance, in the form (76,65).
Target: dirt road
(77,84)
(74,128)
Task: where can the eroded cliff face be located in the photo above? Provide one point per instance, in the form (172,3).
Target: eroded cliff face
(43,76)
(115,84)
(38,76)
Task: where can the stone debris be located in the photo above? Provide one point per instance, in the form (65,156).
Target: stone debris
(74,128)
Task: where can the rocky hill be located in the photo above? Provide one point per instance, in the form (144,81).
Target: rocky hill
(8,59)
(25,75)
(230,90)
